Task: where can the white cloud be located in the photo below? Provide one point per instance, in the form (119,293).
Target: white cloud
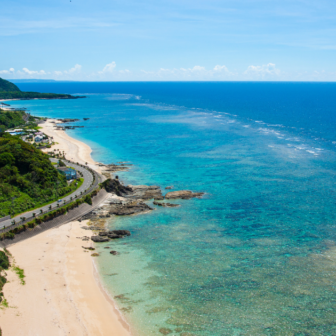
(7,72)
(265,70)
(108,68)
(32,72)
(77,68)
(219,72)
(220,68)
(69,73)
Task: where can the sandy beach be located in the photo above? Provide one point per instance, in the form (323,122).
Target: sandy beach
(75,150)
(62,294)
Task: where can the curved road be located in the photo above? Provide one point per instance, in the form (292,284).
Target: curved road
(88,179)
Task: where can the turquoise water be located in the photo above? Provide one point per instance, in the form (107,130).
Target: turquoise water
(255,255)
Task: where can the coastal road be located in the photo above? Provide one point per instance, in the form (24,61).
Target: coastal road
(89,184)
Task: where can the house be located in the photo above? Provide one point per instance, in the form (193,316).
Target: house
(69,173)
(38,138)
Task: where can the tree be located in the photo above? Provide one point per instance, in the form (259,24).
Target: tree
(61,163)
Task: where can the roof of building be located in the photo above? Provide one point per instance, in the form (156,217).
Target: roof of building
(65,169)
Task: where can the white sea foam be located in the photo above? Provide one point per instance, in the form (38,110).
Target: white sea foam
(122,96)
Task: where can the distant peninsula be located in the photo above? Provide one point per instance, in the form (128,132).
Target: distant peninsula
(9,91)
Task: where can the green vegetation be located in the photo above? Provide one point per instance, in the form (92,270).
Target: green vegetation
(34,95)
(6,86)
(88,199)
(4,265)
(27,177)
(11,119)
(47,217)
(4,303)
(4,261)
(20,272)
(16,118)
(9,90)
(61,163)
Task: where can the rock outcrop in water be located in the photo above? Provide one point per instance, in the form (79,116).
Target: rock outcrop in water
(99,239)
(145,192)
(129,208)
(183,194)
(115,187)
(105,236)
(139,192)
(166,204)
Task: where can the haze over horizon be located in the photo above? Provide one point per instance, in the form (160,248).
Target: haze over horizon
(171,40)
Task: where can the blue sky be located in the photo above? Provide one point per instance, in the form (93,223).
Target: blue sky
(168,39)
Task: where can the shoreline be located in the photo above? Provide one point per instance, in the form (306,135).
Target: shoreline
(64,301)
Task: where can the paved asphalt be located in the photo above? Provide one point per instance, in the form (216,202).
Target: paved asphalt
(88,178)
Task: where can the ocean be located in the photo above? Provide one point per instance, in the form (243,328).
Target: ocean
(257,254)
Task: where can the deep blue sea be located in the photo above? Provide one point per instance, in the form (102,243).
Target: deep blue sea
(257,254)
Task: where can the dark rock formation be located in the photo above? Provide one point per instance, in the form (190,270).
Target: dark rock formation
(140,192)
(183,194)
(114,252)
(165,204)
(115,187)
(159,198)
(99,239)
(170,187)
(72,127)
(145,192)
(114,234)
(86,118)
(66,120)
(129,208)
(121,232)
(165,331)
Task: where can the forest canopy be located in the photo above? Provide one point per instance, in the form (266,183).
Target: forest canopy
(27,177)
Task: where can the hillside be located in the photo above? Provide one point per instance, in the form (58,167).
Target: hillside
(9,90)
(11,119)
(6,86)
(16,118)
(27,177)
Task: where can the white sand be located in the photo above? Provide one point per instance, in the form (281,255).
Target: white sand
(62,295)
(75,150)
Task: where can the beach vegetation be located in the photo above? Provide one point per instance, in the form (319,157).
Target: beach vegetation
(4,261)
(4,265)
(4,303)
(20,273)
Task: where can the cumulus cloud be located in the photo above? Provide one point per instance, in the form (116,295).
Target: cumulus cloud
(69,73)
(32,72)
(77,68)
(219,72)
(262,70)
(220,68)
(7,72)
(108,68)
